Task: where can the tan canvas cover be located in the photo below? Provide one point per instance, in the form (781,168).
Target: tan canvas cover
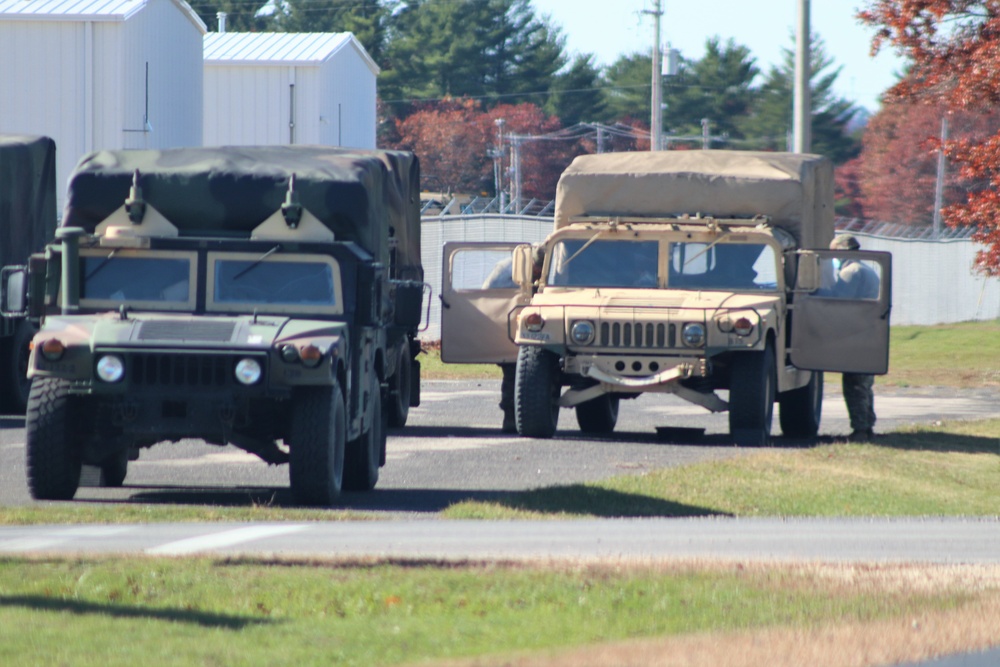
(795,190)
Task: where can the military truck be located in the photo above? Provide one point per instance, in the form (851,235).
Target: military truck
(262,297)
(27,222)
(680,272)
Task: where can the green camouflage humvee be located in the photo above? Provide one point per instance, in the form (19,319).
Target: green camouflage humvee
(264,297)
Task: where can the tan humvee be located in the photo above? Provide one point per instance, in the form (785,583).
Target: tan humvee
(683,272)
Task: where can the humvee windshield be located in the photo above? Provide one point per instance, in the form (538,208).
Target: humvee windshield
(157,280)
(298,281)
(636,263)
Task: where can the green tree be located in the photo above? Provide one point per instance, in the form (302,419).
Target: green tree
(497,50)
(771,122)
(628,87)
(577,95)
(366,19)
(718,87)
(241,16)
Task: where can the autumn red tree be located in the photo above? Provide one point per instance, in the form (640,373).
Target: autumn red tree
(897,171)
(457,144)
(954,50)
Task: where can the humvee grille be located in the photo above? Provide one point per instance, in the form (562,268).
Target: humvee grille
(205,332)
(637,334)
(201,371)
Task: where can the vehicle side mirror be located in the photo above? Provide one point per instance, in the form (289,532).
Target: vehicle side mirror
(522,269)
(13,291)
(808,277)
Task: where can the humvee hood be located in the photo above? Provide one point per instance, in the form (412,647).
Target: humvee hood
(618,298)
(145,330)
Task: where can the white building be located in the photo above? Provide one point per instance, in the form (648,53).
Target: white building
(288,88)
(101,74)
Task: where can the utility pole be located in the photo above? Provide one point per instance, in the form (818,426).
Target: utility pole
(801,112)
(656,101)
(939,185)
(498,164)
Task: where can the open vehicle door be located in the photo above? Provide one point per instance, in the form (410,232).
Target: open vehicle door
(840,316)
(478,300)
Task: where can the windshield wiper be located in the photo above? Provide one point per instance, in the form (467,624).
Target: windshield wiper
(256,262)
(101,265)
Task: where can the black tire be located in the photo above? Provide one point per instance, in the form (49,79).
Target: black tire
(598,415)
(801,410)
(364,454)
(751,397)
(536,393)
(114,469)
(400,384)
(53,457)
(16,385)
(316,445)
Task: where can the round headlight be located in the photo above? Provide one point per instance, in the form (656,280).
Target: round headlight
(582,332)
(694,334)
(289,353)
(110,368)
(248,371)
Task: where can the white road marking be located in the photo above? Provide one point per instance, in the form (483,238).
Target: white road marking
(58,537)
(220,540)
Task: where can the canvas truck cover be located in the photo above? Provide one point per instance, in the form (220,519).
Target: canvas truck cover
(795,190)
(27,196)
(228,191)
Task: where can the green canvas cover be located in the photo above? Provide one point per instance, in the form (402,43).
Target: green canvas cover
(27,196)
(227,191)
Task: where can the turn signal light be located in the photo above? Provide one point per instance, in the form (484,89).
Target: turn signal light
(53,349)
(534,322)
(311,355)
(743,327)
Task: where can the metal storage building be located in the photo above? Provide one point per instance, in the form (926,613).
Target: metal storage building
(288,88)
(101,74)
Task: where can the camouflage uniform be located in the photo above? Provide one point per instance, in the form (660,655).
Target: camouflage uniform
(857,281)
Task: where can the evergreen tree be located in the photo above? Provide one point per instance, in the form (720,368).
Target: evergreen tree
(241,16)
(577,95)
(628,81)
(771,122)
(718,88)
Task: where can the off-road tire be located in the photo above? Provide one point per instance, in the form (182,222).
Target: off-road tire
(801,410)
(316,445)
(398,397)
(114,469)
(752,387)
(53,458)
(363,454)
(536,393)
(598,415)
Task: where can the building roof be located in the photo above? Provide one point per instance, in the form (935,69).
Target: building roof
(279,48)
(85,10)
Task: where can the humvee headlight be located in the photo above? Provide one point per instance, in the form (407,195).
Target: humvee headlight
(110,368)
(694,334)
(743,327)
(289,354)
(248,371)
(534,322)
(311,355)
(725,325)
(53,349)
(582,332)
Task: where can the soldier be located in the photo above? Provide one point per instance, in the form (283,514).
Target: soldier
(855,280)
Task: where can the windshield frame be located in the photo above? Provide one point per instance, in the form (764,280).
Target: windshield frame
(211,305)
(667,238)
(103,253)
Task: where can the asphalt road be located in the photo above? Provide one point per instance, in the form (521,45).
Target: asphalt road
(452,449)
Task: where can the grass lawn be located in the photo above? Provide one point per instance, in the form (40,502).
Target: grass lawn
(199,611)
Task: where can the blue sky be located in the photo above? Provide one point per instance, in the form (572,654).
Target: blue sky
(610,29)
